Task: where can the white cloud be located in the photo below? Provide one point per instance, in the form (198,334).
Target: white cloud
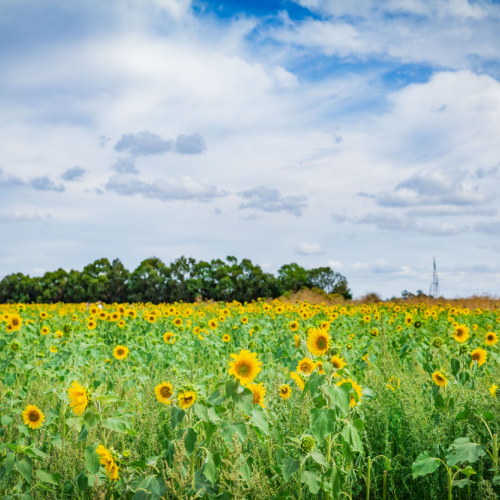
(309,249)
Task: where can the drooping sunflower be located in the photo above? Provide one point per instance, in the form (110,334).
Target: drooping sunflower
(106,459)
(259,392)
(357,388)
(338,362)
(491,338)
(226,337)
(169,338)
(245,366)
(186,399)
(285,391)
(33,417)
(120,352)
(298,380)
(439,379)
(318,341)
(78,398)
(461,333)
(319,367)
(305,366)
(164,392)
(479,355)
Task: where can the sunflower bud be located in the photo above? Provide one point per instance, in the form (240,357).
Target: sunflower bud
(437,342)
(67,328)
(15,346)
(463,350)
(307,444)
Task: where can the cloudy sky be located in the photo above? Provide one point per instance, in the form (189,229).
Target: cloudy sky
(362,135)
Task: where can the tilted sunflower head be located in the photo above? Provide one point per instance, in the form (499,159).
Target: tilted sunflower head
(307,444)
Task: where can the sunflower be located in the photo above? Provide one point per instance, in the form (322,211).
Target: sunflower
(120,352)
(169,338)
(374,332)
(357,388)
(177,321)
(53,349)
(349,346)
(305,366)
(78,398)
(245,366)
(479,355)
(91,325)
(212,324)
(338,362)
(121,323)
(491,338)
(116,316)
(226,337)
(33,417)
(186,399)
(108,461)
(298,380)
(45,330)
(297,341)
(244,320)
(493,390)
(461,333)
(294,326)
(409,320)
(325,325)
(318,341)
(259,392)
(164,392)
(439,379)
(15,322)
(58,334)
(285,391)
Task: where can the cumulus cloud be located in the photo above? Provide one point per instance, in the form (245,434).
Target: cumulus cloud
(73,174)
(143,144)
(335,264)
(45,184)
(488,227)
(24,216)
(271,200)
(382,266)
(309,249)
(184,188)
(125,166)
(193,144)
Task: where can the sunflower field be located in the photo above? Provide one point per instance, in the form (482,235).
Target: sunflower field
(261,400)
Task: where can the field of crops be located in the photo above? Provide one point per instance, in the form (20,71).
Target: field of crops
(265,400)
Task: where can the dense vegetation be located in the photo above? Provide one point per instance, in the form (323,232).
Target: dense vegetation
(266,400)
(153,281)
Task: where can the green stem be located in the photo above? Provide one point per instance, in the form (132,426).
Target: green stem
(384,491)
(450,482)
(368,472)
(495,450)
(299,492)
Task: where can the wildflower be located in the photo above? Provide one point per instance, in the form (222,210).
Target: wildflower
(294,326)
(78,398)
(33,417)
(169,338)
(164,392)
(245,366)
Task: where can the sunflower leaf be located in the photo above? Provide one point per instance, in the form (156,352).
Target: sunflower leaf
(259,419)
(322,422)
(92,459)
(289,468)
(462,450)
(313,479)
(424,464)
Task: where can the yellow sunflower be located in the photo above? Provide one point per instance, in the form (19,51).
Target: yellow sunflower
(461,333)
(164,392)
(53,349)
(15,322)
(298,380)
(479,355)
(305,366)
(186,399)
(319,367)
(91,325)
(285,391)
(338,362)
(259,392)
(245,366)
(33,417)
(297,341)
(169,338)
(109,463)
(78,398)
(45,330)
(491,338)
(356,387)
(213,324)
(493,390)
(294,326)
(178,322)
(318,341)
(439,379)
(120,352)
(374,332)
(226,337)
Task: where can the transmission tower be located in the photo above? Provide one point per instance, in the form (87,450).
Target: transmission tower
(434,290)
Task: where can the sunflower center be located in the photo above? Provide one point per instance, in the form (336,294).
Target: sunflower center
(440,378)
(165,392)
(120,352)
(187,399)
(243,369)
(476,356)
(33,416)
(321,343)
(490,337)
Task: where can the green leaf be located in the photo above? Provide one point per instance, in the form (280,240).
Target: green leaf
(25,468)
(468,471)
(318,457)
(487,415)
(461,482)
(496,480)
(229,430)
(462,450)
(91,419)
(313,479)
(201,412)
(209,469)
(341,396)
(83,433)
(351,435)
(116,424)
(289,468)
(176,417)
(322,422)
(424,464)
(244,400)
(259,420)
(190,438)
(313,383)
(455,366)
(46,477)
(231,387)
(92,460)
(463,415)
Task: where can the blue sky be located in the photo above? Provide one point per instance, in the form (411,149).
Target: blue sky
(361,135)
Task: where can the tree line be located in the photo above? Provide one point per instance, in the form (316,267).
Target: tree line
(184,279)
